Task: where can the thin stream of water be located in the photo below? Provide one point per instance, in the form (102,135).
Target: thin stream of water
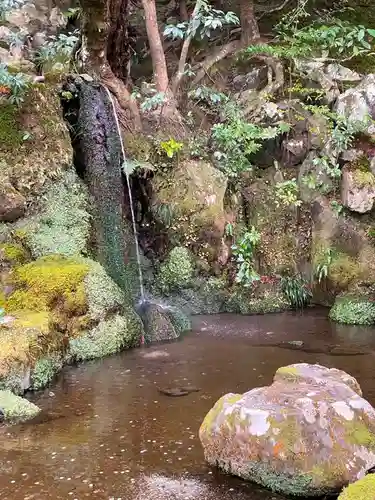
(140,274)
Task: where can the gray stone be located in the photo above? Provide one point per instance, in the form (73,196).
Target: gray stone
(358,104)
(340,73)
(252,80)
(356,195)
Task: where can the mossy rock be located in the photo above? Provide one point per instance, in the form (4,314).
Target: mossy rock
(108,337)
(364,489)
(35,146)
(62,225)
(177,270)
(16,409)
(243,301)
(353,310)
(13,254)
(61,303)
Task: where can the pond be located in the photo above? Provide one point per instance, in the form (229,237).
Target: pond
(110,433)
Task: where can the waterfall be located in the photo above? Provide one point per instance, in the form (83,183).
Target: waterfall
(135,232)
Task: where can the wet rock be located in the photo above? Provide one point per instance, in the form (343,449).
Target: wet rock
(357,190)
(157,323)
(12,203)
(309,433)
(155,354)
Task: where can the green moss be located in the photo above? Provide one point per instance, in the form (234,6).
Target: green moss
(343,270)
(14,253)
(288,372)
(364,489)
(177,271)
(49,281)
(2,299)
(103,294)
(63,225)
(242,302)
(15,408)
(10,133)
(358,433)
(363,179)
(353,310)
(45,370)
(109,337)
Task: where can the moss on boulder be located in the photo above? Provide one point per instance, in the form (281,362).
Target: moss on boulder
(63,308)
(307,434)
(364,489)
(16,409)
(177,270)
(353,310)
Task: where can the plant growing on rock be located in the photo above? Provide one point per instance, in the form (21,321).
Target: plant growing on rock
(13,86)
(177,271)
(287,193)
(58,49)
(322,268)
(296,291)
(243,252)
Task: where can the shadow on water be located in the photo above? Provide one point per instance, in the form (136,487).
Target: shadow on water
(113,435)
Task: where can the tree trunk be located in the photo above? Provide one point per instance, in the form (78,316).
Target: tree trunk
(249,35)
(95,37)
(184,53)
(249,25)
(159,64)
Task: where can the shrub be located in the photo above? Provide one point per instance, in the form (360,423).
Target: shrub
(352,310)
(296,291)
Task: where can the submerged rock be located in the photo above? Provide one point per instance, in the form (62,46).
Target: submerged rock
(309,433)
(16,409)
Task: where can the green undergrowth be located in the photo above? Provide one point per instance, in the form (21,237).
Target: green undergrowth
(353,310)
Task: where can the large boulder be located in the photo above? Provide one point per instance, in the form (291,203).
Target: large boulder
(309,433)
(358,190)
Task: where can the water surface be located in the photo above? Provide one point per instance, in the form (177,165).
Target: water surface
(114,436)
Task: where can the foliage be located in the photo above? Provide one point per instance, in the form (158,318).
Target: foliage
(287,193)
(229,230)
(58,49)
(352,310)
(44,371)
(243,252)
(171,147)
(337,207)
(208,95)
(153,102)
(13,85)
(327,165)
(322,268)
(7,5)
(205,20)
(235,140)
(296,291)
(177,271)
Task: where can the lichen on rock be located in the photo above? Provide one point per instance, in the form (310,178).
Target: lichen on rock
(307,434)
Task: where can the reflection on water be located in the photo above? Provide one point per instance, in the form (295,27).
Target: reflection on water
(112,435)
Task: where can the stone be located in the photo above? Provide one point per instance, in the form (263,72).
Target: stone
(12,203)
(16,409)
(307,434)
(315,72)
(358,104)
(340,73)
(252,80)
(157,322)
(357,192)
